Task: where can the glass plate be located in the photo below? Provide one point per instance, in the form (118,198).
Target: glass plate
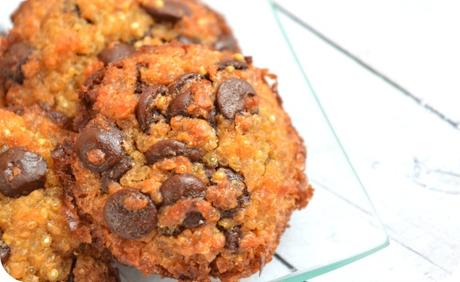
(340,224)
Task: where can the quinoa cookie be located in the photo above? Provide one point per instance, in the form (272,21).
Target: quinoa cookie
(188,166)
(35,241)
(89,265)
(55,44)
(2,86)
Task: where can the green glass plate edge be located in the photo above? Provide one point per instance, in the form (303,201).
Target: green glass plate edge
(308,274)
(296,277)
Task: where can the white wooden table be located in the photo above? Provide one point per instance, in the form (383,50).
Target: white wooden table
(405,146)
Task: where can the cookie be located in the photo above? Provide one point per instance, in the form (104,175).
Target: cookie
(89,265)
(36,243)
(188,165)
(55,44)
(2,83)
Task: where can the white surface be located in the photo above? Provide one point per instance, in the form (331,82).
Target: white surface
(401,151)
(408,158)
(455,277)
(6,7)
(414,41)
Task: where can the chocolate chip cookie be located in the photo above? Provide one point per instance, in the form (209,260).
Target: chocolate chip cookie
(55,44)
(36,243)
(186,164)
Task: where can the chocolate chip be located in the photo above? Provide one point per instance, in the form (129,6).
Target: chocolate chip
(171,231)
(231,96)
(167,10)
(229,213)
(179,105)
(21,172)
(188,40)
(13,59)
(232,238)
(119,169)
(55,116)
(88,96)
(183,80)
(193,219)
(232,175)
(166,149)
(212,118)
(146,112)
(83,117)
(226,42)
(182,97)
(234,63)
(115,173)
(62,158)
(5,251)
(99,147)
(116,52)
(88,93)
(181,186)
(140,84)
(130,214)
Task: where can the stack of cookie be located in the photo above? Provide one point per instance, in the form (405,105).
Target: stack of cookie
(134,131)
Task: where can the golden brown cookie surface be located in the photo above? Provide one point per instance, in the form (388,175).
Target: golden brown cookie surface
(55,44)
(35,243)
(188,166)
